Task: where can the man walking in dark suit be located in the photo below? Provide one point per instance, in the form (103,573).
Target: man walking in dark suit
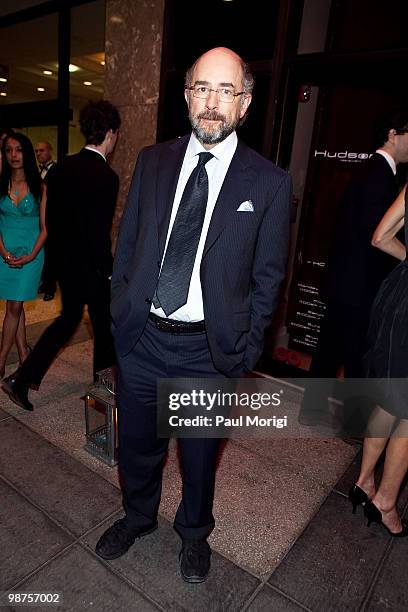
(81,199)
(47,167)
(355,268)
(201,255)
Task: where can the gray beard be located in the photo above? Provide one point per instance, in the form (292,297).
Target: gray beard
(211,136)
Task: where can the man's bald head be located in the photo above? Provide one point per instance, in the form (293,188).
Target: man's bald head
(43,151)
(223,54)
(218,93)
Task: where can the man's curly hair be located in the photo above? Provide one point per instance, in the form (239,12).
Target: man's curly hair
(96,119)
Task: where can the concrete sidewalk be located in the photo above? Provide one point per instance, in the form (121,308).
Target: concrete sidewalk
(285,537)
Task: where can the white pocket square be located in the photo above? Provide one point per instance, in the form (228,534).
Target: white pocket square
(246,206)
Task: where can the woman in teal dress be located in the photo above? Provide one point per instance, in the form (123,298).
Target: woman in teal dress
(22,235)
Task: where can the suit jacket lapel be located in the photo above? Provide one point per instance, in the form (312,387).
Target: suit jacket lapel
(235,187)
(168,169)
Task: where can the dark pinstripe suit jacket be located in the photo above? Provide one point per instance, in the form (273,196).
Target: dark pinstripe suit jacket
(244,256)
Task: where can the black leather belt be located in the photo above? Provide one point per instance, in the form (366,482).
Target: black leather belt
(177,327)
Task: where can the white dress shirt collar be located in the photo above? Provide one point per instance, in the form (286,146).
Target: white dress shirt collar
(222,150)
(389,159)
(90,148)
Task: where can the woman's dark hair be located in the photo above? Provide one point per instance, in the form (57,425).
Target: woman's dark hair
(32,175)
(96,119)
(4,132)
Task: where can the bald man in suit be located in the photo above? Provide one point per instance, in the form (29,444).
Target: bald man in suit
(200,259)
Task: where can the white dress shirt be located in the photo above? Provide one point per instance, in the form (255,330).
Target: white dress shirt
(45,168)
(216,169)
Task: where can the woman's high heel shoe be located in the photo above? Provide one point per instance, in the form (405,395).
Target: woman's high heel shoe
(357,497)
(373,515)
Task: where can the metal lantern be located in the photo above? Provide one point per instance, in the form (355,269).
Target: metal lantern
(101,418)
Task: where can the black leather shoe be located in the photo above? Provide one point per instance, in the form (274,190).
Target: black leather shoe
(195,560)
(117,540)
(17,391)
(48,297)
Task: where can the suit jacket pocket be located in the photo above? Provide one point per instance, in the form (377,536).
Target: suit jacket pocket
(120,306)
(241,321)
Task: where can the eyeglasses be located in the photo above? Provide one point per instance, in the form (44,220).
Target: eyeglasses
(225,94)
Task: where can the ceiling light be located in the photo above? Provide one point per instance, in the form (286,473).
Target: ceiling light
(73,68)
(40,89)
(3,80)
(102,63)
(3,93)
(88,83)
(47,72)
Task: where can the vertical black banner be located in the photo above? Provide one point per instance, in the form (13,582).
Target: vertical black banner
(343,139)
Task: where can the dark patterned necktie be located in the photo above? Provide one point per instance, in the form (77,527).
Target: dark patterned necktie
(174,281)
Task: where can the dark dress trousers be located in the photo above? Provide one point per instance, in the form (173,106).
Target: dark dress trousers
(242,267)
(81,199)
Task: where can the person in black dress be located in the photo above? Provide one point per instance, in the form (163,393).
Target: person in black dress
(387,359)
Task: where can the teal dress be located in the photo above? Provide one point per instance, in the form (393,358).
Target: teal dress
(19,229)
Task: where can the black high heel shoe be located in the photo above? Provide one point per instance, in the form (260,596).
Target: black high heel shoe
(373,515)
(357,497)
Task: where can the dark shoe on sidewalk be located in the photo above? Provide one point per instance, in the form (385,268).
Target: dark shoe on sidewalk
(17,391)
(374,515)
(195,560)
(117,540)
(358,497)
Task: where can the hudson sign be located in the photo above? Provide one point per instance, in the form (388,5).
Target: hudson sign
(341,155)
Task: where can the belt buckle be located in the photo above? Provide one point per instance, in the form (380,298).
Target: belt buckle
(174,328)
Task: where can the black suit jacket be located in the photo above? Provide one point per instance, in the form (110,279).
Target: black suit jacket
(244,256)
(51,170)
(81,199)
(356,269)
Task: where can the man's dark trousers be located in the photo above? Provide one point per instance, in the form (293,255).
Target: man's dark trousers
(49,274)
(75,294)
(159,354)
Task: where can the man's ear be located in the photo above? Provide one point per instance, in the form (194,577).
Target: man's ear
(245,104)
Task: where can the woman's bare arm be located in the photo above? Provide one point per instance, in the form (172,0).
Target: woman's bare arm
(384,237)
